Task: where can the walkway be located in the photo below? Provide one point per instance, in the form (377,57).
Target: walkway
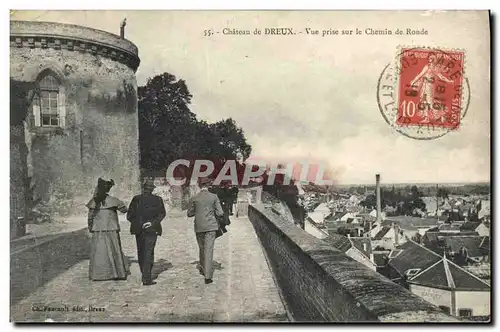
(243,288)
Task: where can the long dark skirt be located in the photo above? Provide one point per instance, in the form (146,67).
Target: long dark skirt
(107,261)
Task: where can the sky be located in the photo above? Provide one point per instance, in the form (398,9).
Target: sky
(305,97)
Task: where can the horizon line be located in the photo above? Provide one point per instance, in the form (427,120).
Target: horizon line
(415,183)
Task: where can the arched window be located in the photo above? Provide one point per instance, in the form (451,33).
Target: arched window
(49,109)
(49,97)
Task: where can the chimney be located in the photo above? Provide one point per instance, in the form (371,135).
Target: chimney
(379,204)
(122,28)
(396,233)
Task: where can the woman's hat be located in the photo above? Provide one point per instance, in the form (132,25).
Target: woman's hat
(149,184)
(105,185)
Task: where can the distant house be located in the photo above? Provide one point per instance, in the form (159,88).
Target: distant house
(412,225)
(467,209)
(320,213)
(355,199)
(455,290)
(369,193)
(380,258)
(353,229)
(485,246)
(390,210)
(366,218)
(419,213)
(484,211)
(322,207)
(317,230)
(431,238)
(347,216)
(464,249)
(478,227)
(375,228)
(358,248)
(430,205)
(373,214)
(439,281)
(336,216)
(449,228)
(388,237)
(446,206)
(408,260)
(483,230)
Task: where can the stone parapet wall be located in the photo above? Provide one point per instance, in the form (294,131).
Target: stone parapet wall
(34,265)
(322,284)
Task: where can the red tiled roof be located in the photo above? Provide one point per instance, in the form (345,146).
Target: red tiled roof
(470,226)
(434,276)
(413,256)
(382,233)
(471,243)
(380,258)
(466,280)
(446,274)
(338,241)
(448,227)
(359,243)
(485,243)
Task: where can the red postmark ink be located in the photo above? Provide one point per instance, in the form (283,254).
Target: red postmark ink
(429,88)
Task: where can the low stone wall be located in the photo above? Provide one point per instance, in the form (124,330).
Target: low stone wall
(34,265)
(321,284)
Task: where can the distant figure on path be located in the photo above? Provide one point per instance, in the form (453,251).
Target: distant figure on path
(205,207)
(145,213)
(234,198)
(107,261)
(222,192)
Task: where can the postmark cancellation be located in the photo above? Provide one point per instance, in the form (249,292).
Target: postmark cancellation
(424,93)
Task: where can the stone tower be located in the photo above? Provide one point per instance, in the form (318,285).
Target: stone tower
(83,122)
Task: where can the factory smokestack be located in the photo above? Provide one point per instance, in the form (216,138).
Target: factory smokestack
(379,203)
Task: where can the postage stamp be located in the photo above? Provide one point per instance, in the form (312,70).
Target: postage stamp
(424,93)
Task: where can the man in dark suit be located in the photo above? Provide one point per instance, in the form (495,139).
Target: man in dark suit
(145,214)
(234,198)
(205,207)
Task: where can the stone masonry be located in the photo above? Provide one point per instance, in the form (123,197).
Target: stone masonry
(97,102)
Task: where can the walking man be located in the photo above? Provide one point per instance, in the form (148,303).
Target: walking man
(145,214)
(205,207)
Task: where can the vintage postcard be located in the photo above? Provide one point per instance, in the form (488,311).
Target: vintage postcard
(250,166)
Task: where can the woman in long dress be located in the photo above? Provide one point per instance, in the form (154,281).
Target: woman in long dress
(425,82)
(107,261)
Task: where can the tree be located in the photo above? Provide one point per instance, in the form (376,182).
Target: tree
(343,231)
(442,193)
(231,141)
(370,202)
(406,201)
(168,130)
(166,125)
